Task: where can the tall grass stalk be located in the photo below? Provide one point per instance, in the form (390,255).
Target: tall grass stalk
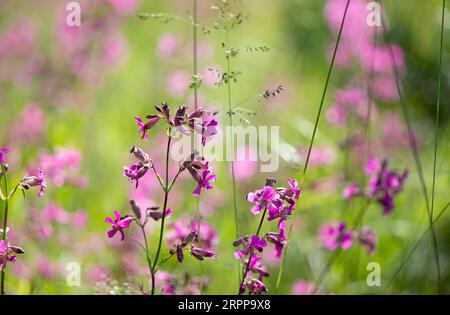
(436,132)
(415,152)
(322,100)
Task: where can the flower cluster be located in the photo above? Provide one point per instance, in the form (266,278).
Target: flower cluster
(183,121)
(383,186)
(336,235)
(279,203)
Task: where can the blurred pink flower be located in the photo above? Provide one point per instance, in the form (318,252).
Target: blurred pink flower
(167,45)
(30,126)
(320,156)
(115,48)
(124,7)
(334,235)
(212,75)
(79,219)
(19,39)
(302,287)
(62,167)
(177,83)
(245,165)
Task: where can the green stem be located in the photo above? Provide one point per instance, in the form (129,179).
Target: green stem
(149,261)
(438,103)
(166,195)
(194,61)
(5,224)
(233,177)
(322,100)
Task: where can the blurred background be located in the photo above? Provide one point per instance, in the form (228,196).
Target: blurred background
(69,95)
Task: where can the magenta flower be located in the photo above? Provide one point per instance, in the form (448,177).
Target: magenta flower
(333,236)
(249,246)
(266,197)
(351,191)
(209,129)
(385,184)
(136,171)
(8,253)
(32,181)
(3,151)
(254,286)
(118,225)
(278,239)
(204,182)
(368,239)
(144,127)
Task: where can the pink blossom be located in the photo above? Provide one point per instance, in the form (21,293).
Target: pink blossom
(79,219)
(335,235)
(118,224)
(204,180)
(30,126)
(302,287)
(144,127)
(266,197)
(124,7)
(212,76)
(32,181)
(351,191)
(245,165)
(115,48)
(167,45)
(177,83)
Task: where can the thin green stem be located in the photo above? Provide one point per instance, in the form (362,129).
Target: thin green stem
(438,103)
(5,224)
(416,155)
(233,177)
(194,62)
(166,195)
(149,261)
(322,100)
